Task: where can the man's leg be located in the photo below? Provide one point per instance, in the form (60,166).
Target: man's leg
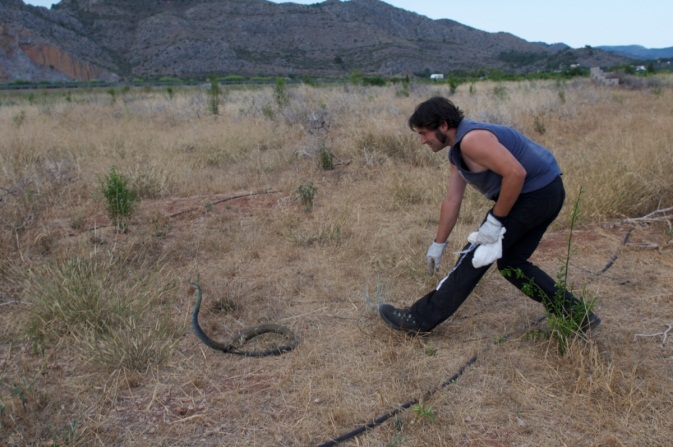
(438,305)
(528,277)
(526,224)
(520,242)
(537,284)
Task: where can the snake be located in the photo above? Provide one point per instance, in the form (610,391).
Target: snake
(235,344)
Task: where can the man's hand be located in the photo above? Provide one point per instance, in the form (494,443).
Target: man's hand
(489,232)
(434,256)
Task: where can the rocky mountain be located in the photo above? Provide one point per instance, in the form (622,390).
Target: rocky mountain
(125,39)
(639,52)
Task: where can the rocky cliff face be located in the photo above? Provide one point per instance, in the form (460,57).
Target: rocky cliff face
(107,39)
(38,45)
(31,57)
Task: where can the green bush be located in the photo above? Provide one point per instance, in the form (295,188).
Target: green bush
(120,199)
(214,96)
(280,93)
(306,194)
(326,159)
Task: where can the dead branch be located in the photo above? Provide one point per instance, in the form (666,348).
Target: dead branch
(7,303)
(663,334)
(644,245)
(659,215)
(226,199)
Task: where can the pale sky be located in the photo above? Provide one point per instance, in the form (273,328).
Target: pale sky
(574,22)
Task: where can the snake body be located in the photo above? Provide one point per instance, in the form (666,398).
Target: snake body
(234,345)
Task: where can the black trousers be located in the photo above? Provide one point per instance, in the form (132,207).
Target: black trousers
(527,222)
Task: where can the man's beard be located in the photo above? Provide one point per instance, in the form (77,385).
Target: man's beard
(440,136)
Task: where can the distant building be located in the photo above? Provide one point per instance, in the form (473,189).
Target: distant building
(436,76)
(597,75)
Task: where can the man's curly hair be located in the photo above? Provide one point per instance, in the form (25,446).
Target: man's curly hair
(432,113)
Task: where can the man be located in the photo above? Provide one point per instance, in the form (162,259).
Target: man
(524,181)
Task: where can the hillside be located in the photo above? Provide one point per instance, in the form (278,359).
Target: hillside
(105,39)
(639,51)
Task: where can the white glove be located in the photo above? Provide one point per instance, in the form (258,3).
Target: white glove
(486,254)
(489,232)
(434,256)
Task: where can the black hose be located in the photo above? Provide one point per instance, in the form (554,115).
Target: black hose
(380,420)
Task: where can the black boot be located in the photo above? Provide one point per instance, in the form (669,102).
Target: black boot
(400,319)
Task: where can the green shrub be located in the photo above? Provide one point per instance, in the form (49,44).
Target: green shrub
(326,159)
(306,194)
(214,96)
(280,93)
(120,199)
(500,92)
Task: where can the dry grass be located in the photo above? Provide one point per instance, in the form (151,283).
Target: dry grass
(95,340)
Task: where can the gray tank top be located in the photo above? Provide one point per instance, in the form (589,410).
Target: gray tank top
(540,164)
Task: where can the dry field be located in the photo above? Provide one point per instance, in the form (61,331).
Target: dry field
(96,343)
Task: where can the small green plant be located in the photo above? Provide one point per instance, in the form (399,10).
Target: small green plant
(19,118)
(423,412)
(26,392)
(280,93)
(329,232)
(306,194)
(120,199)
(113,94)
(539,125)
(38,345)
(379,296)
(214,96)
(64,436)
(473,89)
(500,339)
(21,393)
(356,78)
(404,91)
(453,84)
(500,92)
(78,223)
(536,335)
(170,92)
(396,441)
(326,159)
(430,352)
(562,96)
(268,112)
